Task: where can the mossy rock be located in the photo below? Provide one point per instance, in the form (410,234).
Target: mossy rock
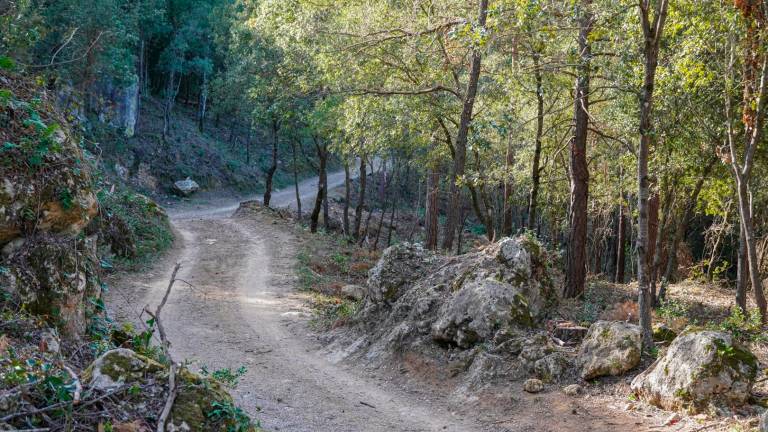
(700,369)
(57,278)
(197,399)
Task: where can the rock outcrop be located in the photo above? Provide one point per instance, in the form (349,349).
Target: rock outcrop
(46,200)
(610,348)
(53,193)
(395,272)
(57,278)
(700,368)
(476,313)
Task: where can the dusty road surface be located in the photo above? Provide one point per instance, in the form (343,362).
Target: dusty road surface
(241,309)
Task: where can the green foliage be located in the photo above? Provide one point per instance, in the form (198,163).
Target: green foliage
(7,63)
(308,278)
(147,224)
(671,308)
(225,376)
(235,418)
(744,326)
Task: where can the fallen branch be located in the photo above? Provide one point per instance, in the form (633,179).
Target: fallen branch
(78,385)
(165,345)
(60,405)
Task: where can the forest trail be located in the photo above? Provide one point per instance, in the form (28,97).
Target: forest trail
(242,310)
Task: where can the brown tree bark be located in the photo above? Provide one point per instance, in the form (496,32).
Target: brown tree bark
(459,160)
(652,32)
(322,156)
(579,171)
(296,180)
(347,193)
(273,168)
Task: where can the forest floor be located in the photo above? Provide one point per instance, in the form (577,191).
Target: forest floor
(244,306)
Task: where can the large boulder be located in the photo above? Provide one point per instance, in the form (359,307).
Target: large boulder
(398,267)
(416,296)
(610,348)
(700,368)
(56,278)
(478,310)
(185,187)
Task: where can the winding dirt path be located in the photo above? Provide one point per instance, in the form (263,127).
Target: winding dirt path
(240,308)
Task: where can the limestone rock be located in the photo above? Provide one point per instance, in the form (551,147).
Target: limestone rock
(185,187)
(572,390)
(533,385)
(610,348)
(398,267)
(121,171)
(699,368)
(478,310)
(57,277)
(353,292)
(553,367)
(117,367)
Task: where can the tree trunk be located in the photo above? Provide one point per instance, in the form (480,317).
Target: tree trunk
(273,168)
(755,98)
(360,199)
(535,170)
(459,160)
(347,192)
(621,241)
(742,273)
(652,33)
(170,96)
(203,103)
(322,155)
(296,180)
(324,179)
(431,219)
(392,220)
(579,171)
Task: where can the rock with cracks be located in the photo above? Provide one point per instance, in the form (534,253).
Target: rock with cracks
(398,267)
(475,313)
(610,348)
(56,278)
(700,369)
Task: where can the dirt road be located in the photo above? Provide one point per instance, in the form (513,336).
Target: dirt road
(242,310)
